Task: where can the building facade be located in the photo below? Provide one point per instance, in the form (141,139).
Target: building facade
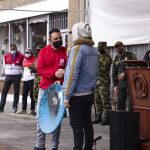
(31,30)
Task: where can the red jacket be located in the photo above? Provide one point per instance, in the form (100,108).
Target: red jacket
(48,62)
(28,61)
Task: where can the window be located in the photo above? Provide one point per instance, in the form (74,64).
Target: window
(59,20)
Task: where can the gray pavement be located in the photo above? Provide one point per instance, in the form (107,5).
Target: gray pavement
(18,132)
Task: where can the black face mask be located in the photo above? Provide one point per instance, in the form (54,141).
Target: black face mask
(102,51)
(57,44)
(120,51)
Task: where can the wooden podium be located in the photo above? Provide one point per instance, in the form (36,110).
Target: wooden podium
(139,85)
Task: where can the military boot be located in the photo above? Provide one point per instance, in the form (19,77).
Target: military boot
(105,119)
(98,119)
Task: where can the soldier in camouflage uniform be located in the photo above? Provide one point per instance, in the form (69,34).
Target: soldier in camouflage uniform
(36,86)
(37,77)
(102,91)
(119,75)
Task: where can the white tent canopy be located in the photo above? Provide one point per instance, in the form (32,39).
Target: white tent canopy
(124,20)
(48,5)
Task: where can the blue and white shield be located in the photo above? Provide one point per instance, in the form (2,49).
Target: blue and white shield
(51,108)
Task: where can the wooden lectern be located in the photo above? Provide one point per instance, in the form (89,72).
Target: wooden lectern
(139,85)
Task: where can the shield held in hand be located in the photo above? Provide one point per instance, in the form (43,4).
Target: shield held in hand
(51,108)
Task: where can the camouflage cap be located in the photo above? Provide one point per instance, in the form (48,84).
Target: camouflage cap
(118,44)
(102,45)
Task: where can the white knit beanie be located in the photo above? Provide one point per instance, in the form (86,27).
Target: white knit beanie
(81,29)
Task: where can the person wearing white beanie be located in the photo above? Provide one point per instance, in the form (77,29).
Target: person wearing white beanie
(81,29)
(79,84)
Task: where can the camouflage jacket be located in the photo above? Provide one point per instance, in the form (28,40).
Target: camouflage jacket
(33,69)
(105,62)
(119,66)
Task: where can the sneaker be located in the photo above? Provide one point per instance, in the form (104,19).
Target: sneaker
(31,112)
(21,112)
(15,109)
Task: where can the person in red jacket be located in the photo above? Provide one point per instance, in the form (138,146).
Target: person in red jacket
(28,78)
(51,63)
(12,70)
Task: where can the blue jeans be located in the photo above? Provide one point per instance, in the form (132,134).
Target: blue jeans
(40,143)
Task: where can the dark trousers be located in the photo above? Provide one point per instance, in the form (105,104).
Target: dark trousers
(123,96)
(28,87)
(80,121)
(9,80)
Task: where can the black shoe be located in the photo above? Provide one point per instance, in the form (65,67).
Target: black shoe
(35,148)
(15,109)
(34,113)
(98,119)
(104,123)
(1,110)
(54,148)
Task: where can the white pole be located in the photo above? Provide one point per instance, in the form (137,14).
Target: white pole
(47,30)
(27,32)
(9,32)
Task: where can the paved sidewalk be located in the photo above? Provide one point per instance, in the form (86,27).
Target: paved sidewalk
(18,132)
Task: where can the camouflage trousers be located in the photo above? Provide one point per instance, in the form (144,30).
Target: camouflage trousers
(36,87)
(124,96)
(102,99)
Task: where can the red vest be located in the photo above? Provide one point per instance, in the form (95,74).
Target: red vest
(13,64)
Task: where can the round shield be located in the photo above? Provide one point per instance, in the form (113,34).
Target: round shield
(51,108)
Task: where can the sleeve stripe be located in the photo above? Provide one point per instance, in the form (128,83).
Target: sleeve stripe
(72,69)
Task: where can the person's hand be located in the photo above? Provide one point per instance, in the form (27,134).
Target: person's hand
(57,82)
(121,76)
(59,73)
(66,104)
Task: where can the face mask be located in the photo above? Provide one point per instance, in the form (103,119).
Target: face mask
(28,55)
(13,52)
(102,51)
(57,44)
(120,51)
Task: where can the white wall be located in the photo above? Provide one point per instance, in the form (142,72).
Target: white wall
(124,20)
